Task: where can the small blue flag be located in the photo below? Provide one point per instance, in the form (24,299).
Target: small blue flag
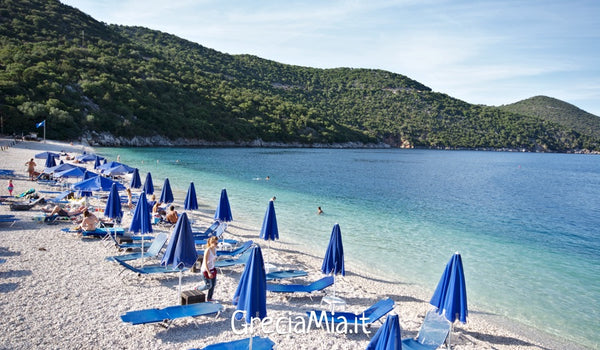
(38,125)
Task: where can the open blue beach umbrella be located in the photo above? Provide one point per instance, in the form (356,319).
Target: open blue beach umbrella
(97,163)
(117,170)
(113,208)
(50,162)
(89,174)
(181,251)
(140,222)
(58,168)
(251,293)
(191,201)
(73,172)
(97,183)
(148,185)
(136,182)
(450,296)
(44,155)
(333,262)
(166,195)
(223,212)
(388,337)
(88,157)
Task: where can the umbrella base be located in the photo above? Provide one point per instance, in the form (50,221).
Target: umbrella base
(192,297)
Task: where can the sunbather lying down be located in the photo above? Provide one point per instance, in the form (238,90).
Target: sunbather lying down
(58,210)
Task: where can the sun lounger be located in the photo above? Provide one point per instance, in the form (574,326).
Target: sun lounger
(168,314)
(11,221)
(301,288)
(147,269)
(24,206)
(277,275)
(432,335)
(258,343)
(367,317)
(241,260)
(237,251)
(216,229)
(157,245)
(100,232)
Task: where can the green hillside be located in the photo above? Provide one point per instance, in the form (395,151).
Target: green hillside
(82,76)
(557,111)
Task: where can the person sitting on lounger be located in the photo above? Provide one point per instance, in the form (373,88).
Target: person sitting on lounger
(89,222)
(172,215)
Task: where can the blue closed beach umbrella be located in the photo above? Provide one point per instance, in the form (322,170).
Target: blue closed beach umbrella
(251,293)
(181,251)
(223,212)
(333,262)
(388,337)
(113,208)
(140,222)
(191,202)
(97,162)
(148,185)
(136,182)
(50,162)
(450,296)
(269,231)
(166,195)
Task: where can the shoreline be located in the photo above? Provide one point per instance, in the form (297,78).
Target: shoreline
(112,295)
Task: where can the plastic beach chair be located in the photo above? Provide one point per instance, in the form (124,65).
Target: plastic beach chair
(301,288)
(147,269)
(278,275)
(367,317)
(9,220)
(433,333)
(258,343)
(168,314)
(157,245)
(239,250)
(216,229)
(241,260)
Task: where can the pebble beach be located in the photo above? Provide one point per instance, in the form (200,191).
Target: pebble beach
(58,291)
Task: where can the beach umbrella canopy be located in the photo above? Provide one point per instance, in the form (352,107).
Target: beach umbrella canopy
(388,337)
(89,174)
(73,172)
(251,293)
(269,231)
(334,255)
(181,251)
(58,168)
(191,201)
(136,182)
(148,185)
(223,212)
(140,222)
(50,162)
(450,296)
(166,195)
(97,183)
(97,163)
(117,170)
(45,155)
(113,204)
(88,157)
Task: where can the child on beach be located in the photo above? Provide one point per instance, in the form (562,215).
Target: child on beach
(208,268)
(10,187)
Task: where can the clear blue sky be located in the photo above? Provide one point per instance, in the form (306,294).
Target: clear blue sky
(483,52)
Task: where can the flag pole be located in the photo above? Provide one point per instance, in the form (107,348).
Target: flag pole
(44,130)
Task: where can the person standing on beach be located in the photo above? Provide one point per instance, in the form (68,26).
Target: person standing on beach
(10,187)
(31,168)
(208,269)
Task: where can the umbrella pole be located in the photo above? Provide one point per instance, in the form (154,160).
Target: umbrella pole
(142,251)
(180,275)
(334,284)
(450,335)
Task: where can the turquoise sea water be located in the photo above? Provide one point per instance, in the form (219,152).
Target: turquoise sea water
(526,225)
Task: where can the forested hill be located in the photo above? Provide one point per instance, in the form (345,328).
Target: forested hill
(557,111)
(83,76)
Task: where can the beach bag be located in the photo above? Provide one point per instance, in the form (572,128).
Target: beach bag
(213,271)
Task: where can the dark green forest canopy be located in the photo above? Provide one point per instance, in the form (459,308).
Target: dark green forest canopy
(81,75)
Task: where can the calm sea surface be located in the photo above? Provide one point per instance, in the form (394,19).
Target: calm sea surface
(527,225)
